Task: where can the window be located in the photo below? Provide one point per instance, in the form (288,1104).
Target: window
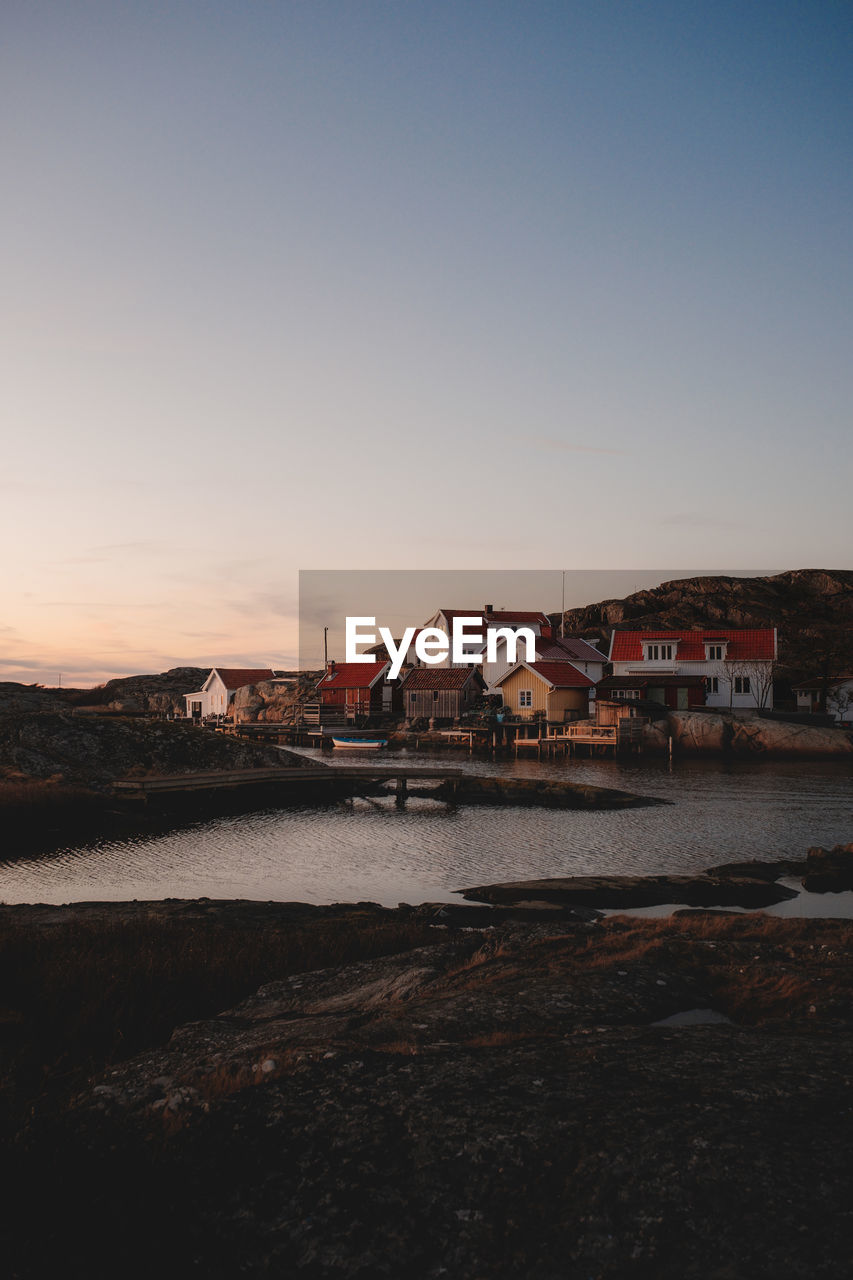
(413,697)
(435,695)
(712,684)
(742,684)
(525,697)
(714,652)
(626,693)
(656,652)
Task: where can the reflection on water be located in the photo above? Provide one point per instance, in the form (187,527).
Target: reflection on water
(721,811)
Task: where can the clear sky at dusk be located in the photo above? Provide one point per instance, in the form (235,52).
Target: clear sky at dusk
(409,285)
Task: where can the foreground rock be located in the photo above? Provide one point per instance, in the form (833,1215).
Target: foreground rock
(495,1106)
(636,891)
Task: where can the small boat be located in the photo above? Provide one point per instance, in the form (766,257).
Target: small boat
(370,744)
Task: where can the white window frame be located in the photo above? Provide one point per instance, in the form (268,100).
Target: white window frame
(742,685)
(525,698)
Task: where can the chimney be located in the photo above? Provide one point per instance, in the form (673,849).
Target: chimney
(330,669)
(488,608)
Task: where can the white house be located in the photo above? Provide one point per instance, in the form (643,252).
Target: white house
(489,619)
(839,697)
(585,657)
(215,696)
(735,666)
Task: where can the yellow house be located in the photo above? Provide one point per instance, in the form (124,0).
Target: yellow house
(557,690)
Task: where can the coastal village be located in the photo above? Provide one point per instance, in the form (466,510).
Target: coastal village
(574,694)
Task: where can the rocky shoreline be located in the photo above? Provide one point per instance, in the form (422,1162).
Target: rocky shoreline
(509,1091)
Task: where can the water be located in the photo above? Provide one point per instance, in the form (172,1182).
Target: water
(721,811)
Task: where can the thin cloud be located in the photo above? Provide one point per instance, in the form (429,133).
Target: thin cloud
(551,443)
(99,604)
(700,520)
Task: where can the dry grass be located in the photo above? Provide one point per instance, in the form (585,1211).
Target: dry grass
(758,969)
(499,1039)
(403,1048)
(82,995)
(38,793)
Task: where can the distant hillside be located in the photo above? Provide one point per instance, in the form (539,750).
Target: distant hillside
(812,609)
(163,692)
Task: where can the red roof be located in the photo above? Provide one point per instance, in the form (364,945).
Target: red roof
(758,642)
(652,679)
(562,675)
(519,617)
(353,675)
(439,678)
(450,614)
(237,677)
(569,649)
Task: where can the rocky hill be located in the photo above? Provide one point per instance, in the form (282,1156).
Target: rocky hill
(92,751)
(812,609)
(162,693)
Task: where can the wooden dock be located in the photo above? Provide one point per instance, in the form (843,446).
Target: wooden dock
(284,778)
(627,735)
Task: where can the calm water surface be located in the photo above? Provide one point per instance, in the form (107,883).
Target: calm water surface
(347,852)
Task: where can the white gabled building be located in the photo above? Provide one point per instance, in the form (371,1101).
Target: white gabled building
(215,696)
(488,619)
(733,667)
(584,656)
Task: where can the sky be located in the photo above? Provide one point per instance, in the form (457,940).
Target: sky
(330,286)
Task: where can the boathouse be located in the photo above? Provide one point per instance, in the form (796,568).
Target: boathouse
(357,689)
(441,693)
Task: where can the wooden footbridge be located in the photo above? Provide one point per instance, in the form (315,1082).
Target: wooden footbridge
(290,781)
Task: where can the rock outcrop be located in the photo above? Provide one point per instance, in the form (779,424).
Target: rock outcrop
(273,702)
(161,694)
(539,792)
(620,892)
(700,731)
(829,870)
(752,735)
(95,751)
(744,734)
